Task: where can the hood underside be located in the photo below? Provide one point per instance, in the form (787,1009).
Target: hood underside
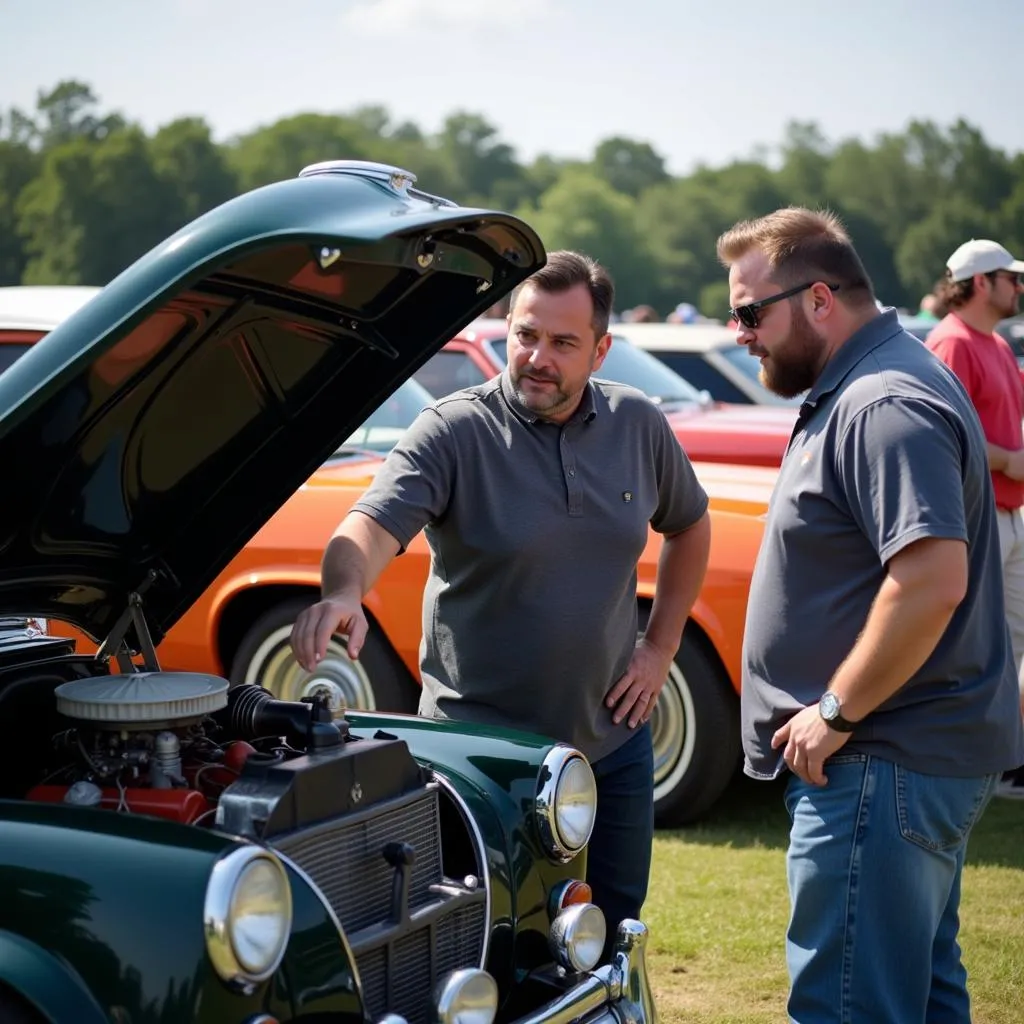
(151,434)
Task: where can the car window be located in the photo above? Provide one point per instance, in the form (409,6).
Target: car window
(701,374)
(750,366)
(627,364)
(446,372)
(381,431)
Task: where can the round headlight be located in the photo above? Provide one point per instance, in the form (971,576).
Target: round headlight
(577,936)
(467,996)
(566,802)
(248,915)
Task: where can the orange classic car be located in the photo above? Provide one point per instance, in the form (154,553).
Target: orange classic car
(240,626)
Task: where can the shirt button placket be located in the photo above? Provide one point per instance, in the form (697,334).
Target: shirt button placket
(572,488)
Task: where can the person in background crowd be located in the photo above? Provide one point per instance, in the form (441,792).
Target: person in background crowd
(877,666)
(982,286)
(536,492)
(927,310)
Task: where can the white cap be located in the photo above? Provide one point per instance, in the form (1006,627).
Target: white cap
(981,256)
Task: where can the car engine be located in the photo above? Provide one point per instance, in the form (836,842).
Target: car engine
(169,744)
(339,806)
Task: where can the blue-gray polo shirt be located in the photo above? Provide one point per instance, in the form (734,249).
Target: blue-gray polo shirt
(535,530)
(887,450)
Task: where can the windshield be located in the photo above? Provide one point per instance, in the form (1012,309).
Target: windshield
(627,364)
(381,431)
(750,366)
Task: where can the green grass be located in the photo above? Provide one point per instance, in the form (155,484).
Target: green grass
(718,907)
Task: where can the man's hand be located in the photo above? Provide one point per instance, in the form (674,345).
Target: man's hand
(637,691)
(317,623)
(809,741)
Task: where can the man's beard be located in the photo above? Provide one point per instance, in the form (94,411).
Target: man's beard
(1006,309)
(794,365)
(542,402)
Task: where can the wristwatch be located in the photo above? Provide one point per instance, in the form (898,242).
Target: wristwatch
(830,709)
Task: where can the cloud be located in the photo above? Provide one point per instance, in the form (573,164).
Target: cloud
(399,17)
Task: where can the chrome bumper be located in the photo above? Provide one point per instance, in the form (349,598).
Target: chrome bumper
(617,993)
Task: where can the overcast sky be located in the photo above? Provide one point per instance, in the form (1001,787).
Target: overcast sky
(702,82)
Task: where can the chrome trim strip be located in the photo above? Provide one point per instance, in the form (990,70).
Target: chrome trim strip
(333,916)
(481,850)
(555,762)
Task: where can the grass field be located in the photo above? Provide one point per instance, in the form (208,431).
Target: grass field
(718,905)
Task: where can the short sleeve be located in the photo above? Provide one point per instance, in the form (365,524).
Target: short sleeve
(956,353)
(900,465)
(414,485)
(681,499)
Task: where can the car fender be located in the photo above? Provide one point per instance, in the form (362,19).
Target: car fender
(49,986)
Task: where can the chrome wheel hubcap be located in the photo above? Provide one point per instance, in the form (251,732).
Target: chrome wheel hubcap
(672,733)
(341,680)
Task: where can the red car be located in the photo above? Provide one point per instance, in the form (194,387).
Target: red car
(708,431)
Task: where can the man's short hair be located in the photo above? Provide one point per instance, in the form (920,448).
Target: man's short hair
(565,269)
(802,245)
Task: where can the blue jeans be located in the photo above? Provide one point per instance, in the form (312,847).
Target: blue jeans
(619,852)
(874,868)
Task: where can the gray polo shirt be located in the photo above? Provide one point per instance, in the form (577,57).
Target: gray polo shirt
(887,450)
(534,529)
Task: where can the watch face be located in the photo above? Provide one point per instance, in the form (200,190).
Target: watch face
(829,706)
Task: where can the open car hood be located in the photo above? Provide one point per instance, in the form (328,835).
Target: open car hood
(149,436)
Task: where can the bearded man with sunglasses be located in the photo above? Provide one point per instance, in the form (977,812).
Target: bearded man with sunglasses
(982,286)
(877,663)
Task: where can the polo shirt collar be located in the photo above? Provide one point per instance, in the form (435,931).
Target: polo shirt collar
(860,344)
(585,411)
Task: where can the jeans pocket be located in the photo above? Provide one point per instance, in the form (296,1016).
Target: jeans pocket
(937,812)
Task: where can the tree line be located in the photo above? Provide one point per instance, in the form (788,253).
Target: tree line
(84,192)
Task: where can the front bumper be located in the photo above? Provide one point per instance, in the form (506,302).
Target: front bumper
(617,993)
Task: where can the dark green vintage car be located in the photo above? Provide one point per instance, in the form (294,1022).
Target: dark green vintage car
(175,850)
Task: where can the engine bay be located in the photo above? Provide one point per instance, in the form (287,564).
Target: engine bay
(187,748)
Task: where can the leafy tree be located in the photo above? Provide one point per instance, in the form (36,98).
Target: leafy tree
(94,208)
(18,166)
(481,165)
(192,167)
(714,300)
(583,212)
(805,154)
(279,151)
(1010,219)
(629,166)
(82,193)
(68,112)
(923,251)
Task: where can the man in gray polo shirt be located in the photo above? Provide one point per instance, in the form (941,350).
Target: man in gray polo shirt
(877,663)
(536,492)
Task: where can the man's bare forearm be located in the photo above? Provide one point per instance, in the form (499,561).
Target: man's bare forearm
(998,458)
(681,569)
(355,556)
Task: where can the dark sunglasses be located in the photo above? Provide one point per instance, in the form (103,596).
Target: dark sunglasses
(1010,275)
(748,315)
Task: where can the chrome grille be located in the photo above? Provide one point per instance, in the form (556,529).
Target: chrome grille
(457,944)
(344,858)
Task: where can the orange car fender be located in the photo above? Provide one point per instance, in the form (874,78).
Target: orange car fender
(702,614)
(211,607)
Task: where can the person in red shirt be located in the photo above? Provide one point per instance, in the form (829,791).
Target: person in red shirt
(982,286)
